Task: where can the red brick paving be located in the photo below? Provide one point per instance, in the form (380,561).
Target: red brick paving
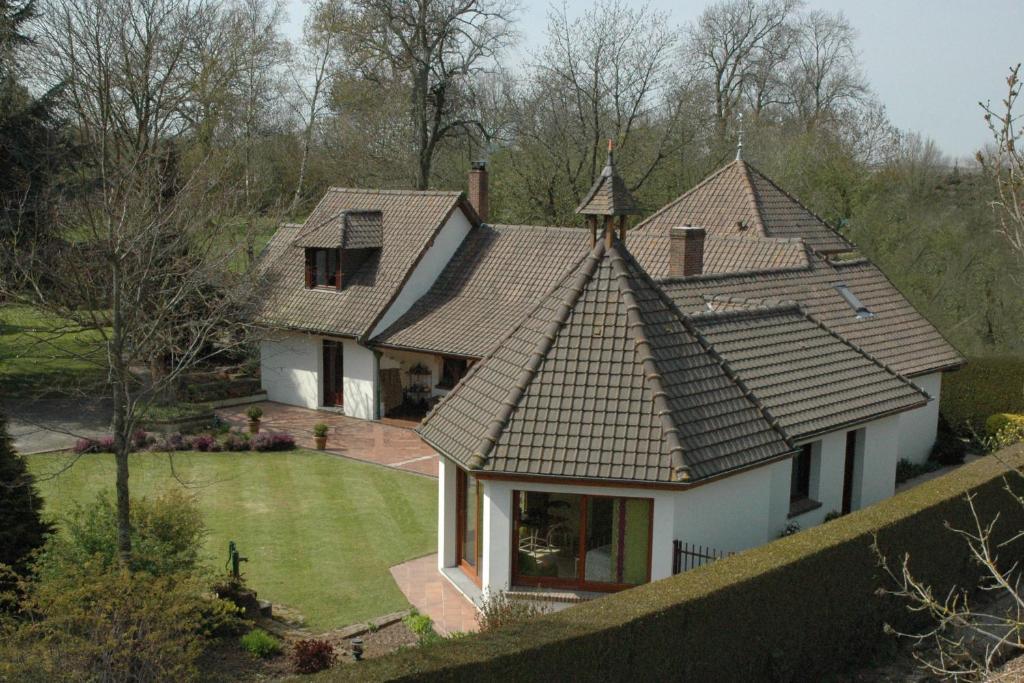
(432,594)
(383,444)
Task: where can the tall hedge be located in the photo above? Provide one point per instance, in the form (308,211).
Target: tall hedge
(795,609)
(985,386)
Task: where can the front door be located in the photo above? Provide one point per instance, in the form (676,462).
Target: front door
(851,455)
(333,374)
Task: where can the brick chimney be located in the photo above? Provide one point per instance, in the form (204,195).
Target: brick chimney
(685,252)
(478,195)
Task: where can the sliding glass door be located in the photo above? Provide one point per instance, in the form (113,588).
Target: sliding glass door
(581,541)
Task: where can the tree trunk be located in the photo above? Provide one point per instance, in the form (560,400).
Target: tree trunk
(122,443)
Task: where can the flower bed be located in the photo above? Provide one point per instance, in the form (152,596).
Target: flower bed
(233,440)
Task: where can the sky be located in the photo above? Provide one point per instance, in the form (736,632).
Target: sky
(929,61)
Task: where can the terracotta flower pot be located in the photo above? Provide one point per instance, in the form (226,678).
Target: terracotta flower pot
(254,426)
(321,442)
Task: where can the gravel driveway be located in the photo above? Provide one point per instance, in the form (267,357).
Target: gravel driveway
(55,424)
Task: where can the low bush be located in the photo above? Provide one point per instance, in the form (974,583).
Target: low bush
(104,444)
(275,441)
(949,448)
(312,655)
(422,627)
(236,441)
(796,609)
(498,610)
(986,385)
(93,622)
(261,643)
(204,443)
(905,469)
(175,441)
(167,536)
(1005,426)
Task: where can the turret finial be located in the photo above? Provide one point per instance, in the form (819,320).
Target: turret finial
(739,139)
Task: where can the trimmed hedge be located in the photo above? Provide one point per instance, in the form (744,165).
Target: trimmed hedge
(798,608)
(985,386)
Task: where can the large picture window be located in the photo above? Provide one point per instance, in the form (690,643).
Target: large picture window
(582,541)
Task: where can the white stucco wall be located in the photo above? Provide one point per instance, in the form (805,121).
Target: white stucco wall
(877,481)
(426,271)
(729,514)
(918,427)
(290,369)
(360,384)
(446,510)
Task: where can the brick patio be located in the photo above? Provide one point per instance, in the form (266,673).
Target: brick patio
(376,442)
(433,595)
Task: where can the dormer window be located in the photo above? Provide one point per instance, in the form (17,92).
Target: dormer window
(337,248)
(862,311)
(323,268)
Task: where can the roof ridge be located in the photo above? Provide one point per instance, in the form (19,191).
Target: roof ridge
(508,405)
(753,312)
(752,195)
(800,204)
(705,181)
(652,375)
(737,273)
(709,348)
(861,351)
(425,193)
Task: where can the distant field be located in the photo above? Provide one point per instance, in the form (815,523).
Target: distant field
(38,358)
(320,532)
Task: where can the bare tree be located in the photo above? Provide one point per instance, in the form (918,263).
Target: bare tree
(1004,162)
(728,45)
(434,49)
(824,74)
(139,259)
(972,630)
(312,75)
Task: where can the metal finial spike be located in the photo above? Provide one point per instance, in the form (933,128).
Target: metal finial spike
(739,139)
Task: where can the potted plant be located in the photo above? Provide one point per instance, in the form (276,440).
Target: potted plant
(320,434)
(254,413)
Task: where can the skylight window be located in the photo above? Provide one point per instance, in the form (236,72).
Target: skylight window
(862,311)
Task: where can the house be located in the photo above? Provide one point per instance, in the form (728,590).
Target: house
(724,369)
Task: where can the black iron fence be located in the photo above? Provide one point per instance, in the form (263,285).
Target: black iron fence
(687,556)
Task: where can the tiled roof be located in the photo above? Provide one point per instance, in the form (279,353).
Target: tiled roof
(603,379)
(410,220)
(807,376)
(740,201)
(346,230)
(897,335)
(491,283)
(609,195)
(498,274)
(721,254)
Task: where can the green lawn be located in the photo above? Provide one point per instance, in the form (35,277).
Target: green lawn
(320,531)
(40,358)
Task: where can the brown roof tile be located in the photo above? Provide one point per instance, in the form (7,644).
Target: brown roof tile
(409,222)
(897,335)
(740,201)
(609,195)
(811,379)
(603,379)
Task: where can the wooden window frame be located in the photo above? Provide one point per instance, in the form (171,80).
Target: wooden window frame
(310,259)
(461,484)
(580,582)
